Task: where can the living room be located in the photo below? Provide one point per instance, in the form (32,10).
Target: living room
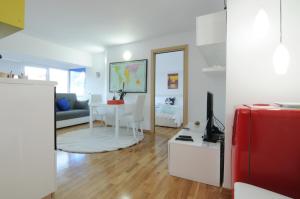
(113,148)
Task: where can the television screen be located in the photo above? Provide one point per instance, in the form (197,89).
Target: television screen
(210,110)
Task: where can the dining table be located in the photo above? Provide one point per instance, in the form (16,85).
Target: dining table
(116,108)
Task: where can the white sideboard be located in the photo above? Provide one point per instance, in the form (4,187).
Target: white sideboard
(27,154)
(198,161)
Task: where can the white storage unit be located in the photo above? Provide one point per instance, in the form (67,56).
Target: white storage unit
(211,28)
(198,161)
(27,133)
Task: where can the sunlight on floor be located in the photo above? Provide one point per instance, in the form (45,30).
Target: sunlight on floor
(65,160)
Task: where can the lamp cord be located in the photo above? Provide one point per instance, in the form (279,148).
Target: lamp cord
(280,21)
(225,5)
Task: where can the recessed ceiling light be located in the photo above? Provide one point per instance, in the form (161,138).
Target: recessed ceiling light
(127,55)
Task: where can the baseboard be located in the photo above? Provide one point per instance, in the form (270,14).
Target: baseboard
(50,196)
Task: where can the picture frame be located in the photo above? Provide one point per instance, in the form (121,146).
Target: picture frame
(130,75)
(173,81)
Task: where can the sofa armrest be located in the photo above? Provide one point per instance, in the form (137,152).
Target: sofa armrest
(82,105)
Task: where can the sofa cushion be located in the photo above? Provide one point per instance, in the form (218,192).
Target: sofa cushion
(71,97)
(63,104)
(71,114)
(82,104)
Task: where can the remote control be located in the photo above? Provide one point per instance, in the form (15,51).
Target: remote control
(184,139)
(185,136)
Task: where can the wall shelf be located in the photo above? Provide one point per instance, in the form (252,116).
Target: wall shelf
(214,69)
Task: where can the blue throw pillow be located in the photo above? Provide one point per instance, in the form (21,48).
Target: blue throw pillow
(63,104)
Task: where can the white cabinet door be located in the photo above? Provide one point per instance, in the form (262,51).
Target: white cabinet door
(26,141)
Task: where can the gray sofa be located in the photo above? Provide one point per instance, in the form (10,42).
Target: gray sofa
(78,114)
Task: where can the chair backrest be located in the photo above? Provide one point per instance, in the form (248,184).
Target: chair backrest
(138,111)
(95,100)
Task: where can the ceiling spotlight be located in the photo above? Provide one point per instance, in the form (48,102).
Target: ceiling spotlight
(127,55)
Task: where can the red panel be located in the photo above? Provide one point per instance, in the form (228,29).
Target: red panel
(115,102)
(240,145)
(275,151)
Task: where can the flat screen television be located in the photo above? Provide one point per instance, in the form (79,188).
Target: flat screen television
(212,133)
(210,110)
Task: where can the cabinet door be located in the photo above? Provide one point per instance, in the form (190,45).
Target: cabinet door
(27,141)
(12,12)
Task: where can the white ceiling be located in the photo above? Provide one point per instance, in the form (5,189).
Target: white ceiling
(92,25)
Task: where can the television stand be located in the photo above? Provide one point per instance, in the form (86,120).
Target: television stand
(198,160)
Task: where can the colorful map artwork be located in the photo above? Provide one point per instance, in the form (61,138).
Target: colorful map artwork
(133,75)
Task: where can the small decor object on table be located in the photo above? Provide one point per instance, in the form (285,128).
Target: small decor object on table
(197,124)
(122,92)
(194,127)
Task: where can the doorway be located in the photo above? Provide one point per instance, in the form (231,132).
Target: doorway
(169,93)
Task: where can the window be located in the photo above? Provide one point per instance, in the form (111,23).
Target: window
(35,73)
(62,79)
(77,81)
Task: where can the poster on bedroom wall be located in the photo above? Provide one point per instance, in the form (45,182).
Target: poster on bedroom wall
(132,75)
(173,81)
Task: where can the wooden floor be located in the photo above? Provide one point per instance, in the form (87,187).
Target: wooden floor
(139,172)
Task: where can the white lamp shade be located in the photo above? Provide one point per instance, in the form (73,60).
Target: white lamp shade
(261,24)
(281,59)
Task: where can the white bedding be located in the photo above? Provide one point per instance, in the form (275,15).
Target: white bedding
(168,115)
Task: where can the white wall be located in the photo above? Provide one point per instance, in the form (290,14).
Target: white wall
(168,63)
(199,82)
(94,84)
(8,66)
(24,46)
(250,74)
(18,67)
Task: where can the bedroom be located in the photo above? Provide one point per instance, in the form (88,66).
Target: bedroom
(169,73)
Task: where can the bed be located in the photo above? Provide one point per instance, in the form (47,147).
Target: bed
(168,115)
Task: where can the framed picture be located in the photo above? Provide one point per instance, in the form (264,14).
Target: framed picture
(130,75)
(173,81)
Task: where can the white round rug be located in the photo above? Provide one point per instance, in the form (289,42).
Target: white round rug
(98,139)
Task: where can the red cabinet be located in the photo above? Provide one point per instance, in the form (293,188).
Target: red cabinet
(266,148)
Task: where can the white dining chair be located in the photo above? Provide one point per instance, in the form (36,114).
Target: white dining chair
(135,116)
(95,109)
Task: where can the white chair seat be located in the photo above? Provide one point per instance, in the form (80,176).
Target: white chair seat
(246,191)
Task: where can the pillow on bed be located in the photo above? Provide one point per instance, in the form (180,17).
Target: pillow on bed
(170,100)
